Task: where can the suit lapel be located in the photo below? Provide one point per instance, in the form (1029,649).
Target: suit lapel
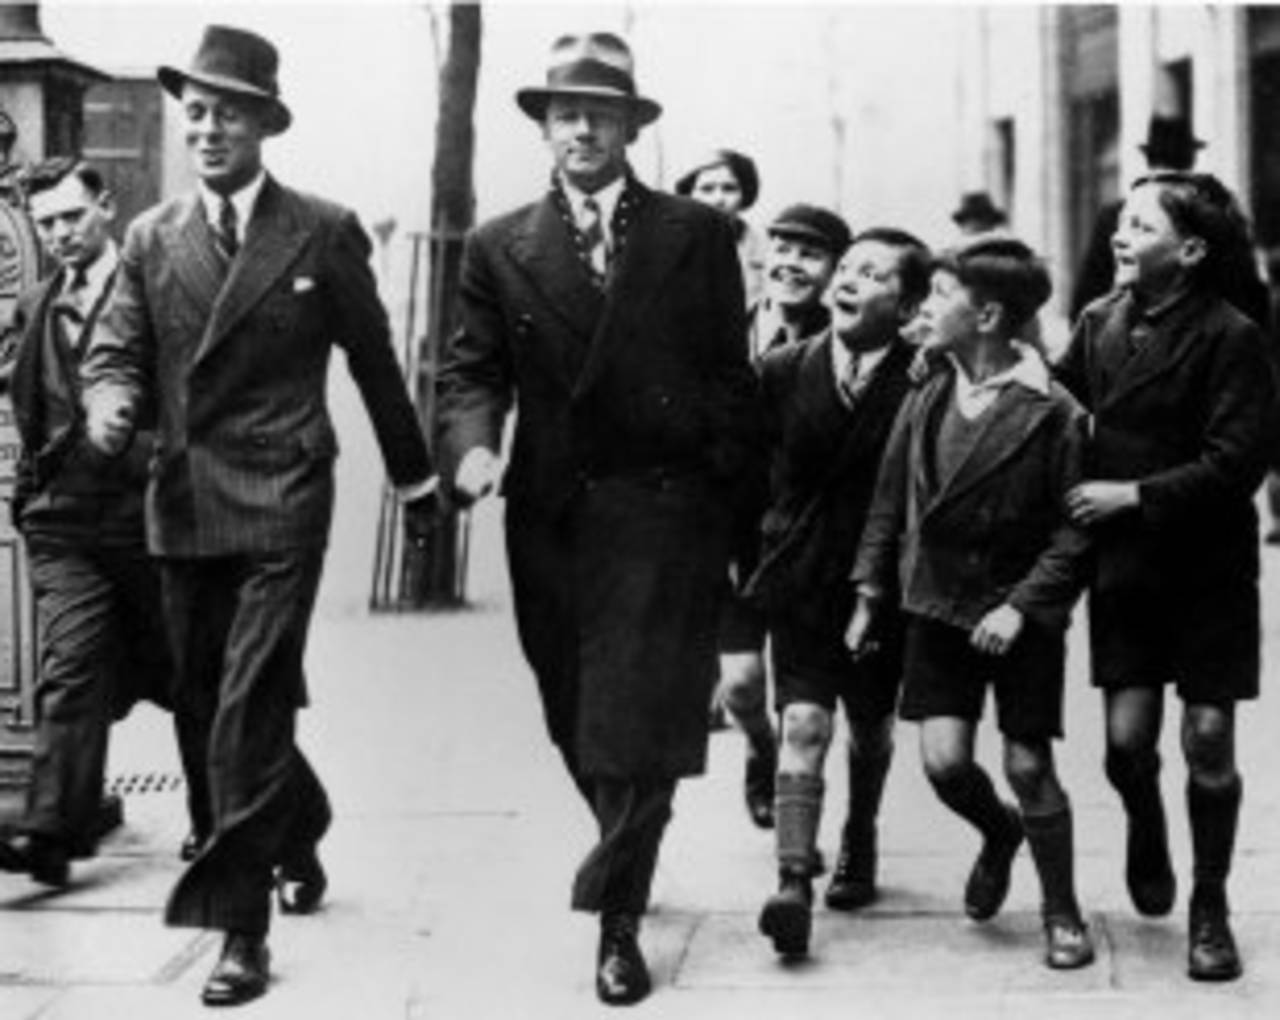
(272,242)
(652,250)
(27,362)
(195,261)
(1010,423)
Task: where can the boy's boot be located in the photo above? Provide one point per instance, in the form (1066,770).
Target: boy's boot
(969,793)
(1148,871)
(1214,814)
(853,883)
(787,917)
(1067,941)
(758,785)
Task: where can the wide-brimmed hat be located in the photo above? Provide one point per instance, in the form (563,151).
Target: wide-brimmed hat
(1170,142)
(977,207)
(598,65)
(237,61)
(742,167)
(815,224)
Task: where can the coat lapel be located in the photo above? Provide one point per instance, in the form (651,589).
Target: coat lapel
(1159,354)
(195,261)
(652,250)
(27,361)
(1011,422)
(275,236)
(542,247)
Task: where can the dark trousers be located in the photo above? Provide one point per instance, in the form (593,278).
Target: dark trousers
(102,647)
(238,627)
(617,874)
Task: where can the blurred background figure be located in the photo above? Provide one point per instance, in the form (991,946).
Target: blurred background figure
(728,181)
(977,214)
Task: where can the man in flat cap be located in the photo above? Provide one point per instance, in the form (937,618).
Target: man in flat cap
(615,316)
(229,303)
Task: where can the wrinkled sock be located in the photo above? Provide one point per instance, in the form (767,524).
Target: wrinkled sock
(1051,838)
(797,810)
(1214,813)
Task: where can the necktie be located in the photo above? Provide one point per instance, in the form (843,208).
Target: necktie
(851,384)
(593,240)
(228,242)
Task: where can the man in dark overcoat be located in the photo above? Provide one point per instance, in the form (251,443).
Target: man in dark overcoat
(615,315)
(230,302)
(96,591)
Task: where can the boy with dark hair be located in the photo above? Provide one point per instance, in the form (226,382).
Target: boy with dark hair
(830,403)
(969,534)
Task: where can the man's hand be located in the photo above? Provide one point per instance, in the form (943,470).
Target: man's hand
(109,421)
(857,636)
(1095,502)
(421,515)
(998,630)
(477,475)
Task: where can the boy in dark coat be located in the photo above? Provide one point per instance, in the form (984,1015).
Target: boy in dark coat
(1180,391)
(969,534)
(830,403)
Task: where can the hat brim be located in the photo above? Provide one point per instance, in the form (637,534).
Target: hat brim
(534,101)
(800,233)
(173,81)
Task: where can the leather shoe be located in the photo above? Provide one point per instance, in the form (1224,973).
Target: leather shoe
(787,917)
(241,973)
(853,883)
(988,884)
(758,783)
(622,977)
(1067,944)
(301,883)
(1211,952)
(45,860)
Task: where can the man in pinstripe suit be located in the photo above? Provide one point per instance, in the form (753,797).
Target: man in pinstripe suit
(229,303)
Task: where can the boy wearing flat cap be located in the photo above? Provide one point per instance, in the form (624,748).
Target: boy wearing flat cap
(969,535)
(614,315)
(229,303)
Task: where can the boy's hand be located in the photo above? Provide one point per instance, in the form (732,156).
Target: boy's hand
(857,636)
(109,422)
(998,630)
(1095,502)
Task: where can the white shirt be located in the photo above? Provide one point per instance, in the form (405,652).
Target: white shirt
(842,359)
(243,201)
(972,398)
(606,199)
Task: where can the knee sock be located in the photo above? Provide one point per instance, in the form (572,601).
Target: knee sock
(1214,813)
(797,811)
(1136,777)
(969,793)
(1051,839)
(867,774)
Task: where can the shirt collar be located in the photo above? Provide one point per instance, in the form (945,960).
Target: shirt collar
(1155,312)
(96,273)
(243,200)
(607,199)
(1029,371)
(842,357)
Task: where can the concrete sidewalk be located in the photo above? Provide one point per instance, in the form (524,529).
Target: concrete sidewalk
(457,836)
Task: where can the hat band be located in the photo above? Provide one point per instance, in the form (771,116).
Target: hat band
(590,74)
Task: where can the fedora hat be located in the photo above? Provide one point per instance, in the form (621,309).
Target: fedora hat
(1170,142)
(598,65)
(742,167)
(234,60)
(977,207)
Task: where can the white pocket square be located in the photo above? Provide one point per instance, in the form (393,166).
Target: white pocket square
(302,284)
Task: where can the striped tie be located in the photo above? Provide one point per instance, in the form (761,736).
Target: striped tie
(228,241)
(593,239)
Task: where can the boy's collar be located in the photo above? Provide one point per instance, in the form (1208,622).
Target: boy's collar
(1029,371)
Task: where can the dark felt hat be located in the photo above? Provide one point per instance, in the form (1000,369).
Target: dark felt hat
(742,167)
(237,61)
(813,223)
(977,207)
(597,65)
(1170,142)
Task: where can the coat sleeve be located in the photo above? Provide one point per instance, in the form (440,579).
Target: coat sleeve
(875,568)
(1232,457)
(1058,576)
(474,390)
(364,333)
(120,359)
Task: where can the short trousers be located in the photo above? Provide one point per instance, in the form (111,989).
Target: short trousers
(814,666)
